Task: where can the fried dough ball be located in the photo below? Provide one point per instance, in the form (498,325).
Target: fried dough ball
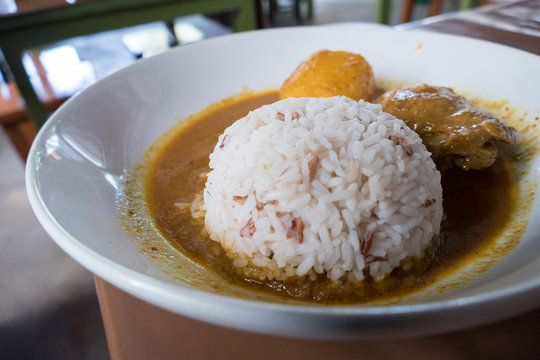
(331,73)
(455,132)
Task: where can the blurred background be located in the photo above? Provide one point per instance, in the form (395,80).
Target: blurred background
(48,304)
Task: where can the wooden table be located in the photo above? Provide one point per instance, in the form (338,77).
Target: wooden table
(165,335)
(512,338)
(514,24)
(435,6)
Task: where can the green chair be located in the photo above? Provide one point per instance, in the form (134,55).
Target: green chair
(383,8)
(21,32)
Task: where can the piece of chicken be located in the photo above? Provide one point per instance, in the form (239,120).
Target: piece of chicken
(454,131)
(331,73)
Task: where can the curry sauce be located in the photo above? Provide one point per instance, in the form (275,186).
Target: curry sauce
(476,204)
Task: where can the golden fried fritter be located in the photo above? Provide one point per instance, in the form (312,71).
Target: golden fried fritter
(331,73)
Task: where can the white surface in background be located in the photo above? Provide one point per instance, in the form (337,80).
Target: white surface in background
(66,72)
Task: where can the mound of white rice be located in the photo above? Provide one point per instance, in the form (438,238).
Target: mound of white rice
(309,186)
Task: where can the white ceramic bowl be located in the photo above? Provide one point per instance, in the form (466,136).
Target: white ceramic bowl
(80,154)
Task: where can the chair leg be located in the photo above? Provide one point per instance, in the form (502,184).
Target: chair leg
(435,7)
(262,22)
(272,11)
(406,11)
(245,18)
(297,11)
(310,9)
(36,109)
(383,11)
(173,41)
(467,4)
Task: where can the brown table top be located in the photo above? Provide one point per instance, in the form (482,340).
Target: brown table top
(515,24)
(168,336)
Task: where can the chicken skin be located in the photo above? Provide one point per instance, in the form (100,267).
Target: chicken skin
(455,132)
